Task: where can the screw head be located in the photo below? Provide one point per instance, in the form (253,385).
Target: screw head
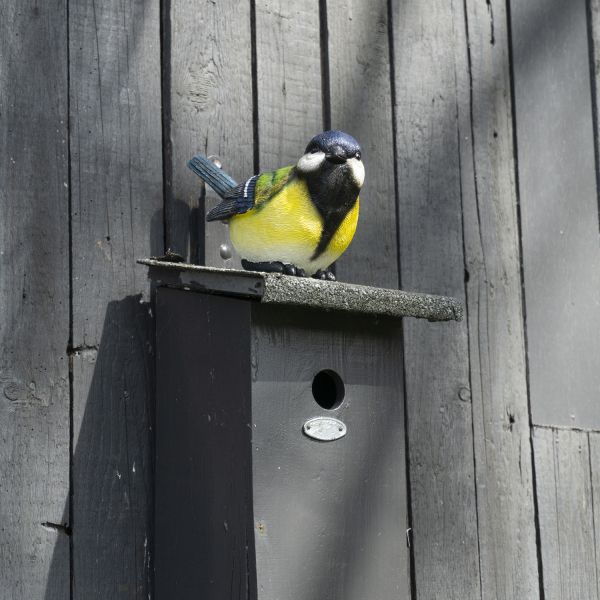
(215,160)
(225,251)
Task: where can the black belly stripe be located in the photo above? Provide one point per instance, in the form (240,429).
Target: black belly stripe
(331,224)
(334,194)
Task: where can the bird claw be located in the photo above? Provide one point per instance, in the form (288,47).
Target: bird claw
(273,267)
(293,270)
(325,275)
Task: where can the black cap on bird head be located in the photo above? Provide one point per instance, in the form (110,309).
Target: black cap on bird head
(337,146)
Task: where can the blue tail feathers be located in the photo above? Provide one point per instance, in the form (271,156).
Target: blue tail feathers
(211,174)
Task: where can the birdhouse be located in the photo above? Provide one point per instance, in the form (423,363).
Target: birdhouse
(280,436)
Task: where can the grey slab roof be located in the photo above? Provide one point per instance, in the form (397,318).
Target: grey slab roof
(274,288)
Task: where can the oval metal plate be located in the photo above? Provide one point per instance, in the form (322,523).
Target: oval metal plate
(324,429)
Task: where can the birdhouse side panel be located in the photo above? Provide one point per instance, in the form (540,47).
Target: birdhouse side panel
(203,546)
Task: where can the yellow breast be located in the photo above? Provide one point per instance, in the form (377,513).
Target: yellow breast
(288,229)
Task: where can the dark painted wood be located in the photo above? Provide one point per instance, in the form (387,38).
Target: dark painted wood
(567,479)
(503,465)
(203,453)
(329,518)
(430,83)
(34,301)
(116,167)
(248,505)
(559,209)
(210,99)
(361,104)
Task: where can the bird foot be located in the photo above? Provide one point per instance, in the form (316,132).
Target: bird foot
(273,267)
(325,275)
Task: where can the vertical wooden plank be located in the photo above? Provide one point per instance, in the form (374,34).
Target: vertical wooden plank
(204,545)
(117,217)
(289,79)
(505,507)
(430,83)
(559,208)
(594,448)
(567,533)
(34,296)
(211,113)
(116,155)
(361,104)
(112,463)
(594,32)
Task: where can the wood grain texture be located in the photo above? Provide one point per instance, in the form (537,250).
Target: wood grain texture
(289,79)
(112,462)
(565,496)
(116,155)
(430,83)
(559,208)
(204,546)
(34,299)
(116,217)
(361,104)
(211,114)
(594,32)
(505,507)
(594,449)
(329,518)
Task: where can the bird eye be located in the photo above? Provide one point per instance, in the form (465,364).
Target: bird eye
(314,150)
(357,155)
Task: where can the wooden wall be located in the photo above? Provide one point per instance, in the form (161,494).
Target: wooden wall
(479,125)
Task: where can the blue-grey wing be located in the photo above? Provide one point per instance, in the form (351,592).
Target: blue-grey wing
(236,201)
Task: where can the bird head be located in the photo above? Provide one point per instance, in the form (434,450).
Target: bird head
(332,153)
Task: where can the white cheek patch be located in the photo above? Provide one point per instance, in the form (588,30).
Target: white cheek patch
(310,162)
(358,171)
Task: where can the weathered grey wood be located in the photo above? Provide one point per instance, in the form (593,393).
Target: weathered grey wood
(289,79)
(430,83)
(112,460)
(594,449)
(594,31)
(329,517)
(116,155)
(116,217)
(559,209)
(503,465)
(210,113)
(566,513)
(361,105)
(34,302)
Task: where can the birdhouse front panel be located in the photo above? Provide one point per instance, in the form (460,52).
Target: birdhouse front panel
(328,456)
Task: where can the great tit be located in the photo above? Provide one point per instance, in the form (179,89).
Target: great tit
(297,219)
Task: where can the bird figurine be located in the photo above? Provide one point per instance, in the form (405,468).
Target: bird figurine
(298,219)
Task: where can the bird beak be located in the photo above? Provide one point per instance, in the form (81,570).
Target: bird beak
(336,155)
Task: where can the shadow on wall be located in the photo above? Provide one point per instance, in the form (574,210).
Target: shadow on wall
(111,488)
(110,509)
